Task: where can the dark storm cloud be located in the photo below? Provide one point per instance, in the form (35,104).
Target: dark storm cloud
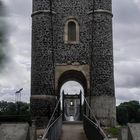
(1,8)
(3,36)
(19,50)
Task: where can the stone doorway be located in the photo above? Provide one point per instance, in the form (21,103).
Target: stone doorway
(72,100)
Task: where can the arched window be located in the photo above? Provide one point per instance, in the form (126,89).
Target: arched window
(71,32)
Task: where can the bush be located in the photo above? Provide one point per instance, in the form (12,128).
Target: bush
(128,112)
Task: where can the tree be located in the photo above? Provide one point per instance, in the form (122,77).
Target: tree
(128,112)
(9,108)
(138,116)
(132,108)
(24,108)
(3,107)
(122,115)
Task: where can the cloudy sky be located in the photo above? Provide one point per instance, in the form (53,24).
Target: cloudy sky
(126,25)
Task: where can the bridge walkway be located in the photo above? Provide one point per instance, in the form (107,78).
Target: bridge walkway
(73,131)
(56,128)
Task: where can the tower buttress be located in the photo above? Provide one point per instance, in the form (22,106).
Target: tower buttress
(42,69)
(102,74)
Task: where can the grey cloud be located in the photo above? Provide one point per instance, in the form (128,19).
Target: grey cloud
(126,30)
(126,49)
(125,94)
(9,95)
(20,8)
(127,74)
(17,71)
(126,11)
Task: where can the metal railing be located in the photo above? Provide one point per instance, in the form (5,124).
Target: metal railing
(54,130)
(91,125)
(54,127)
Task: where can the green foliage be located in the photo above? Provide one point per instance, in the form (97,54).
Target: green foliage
(122,115)
(112,131)
(9,108)
(128,112)
(138,116)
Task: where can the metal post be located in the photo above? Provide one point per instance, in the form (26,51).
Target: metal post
(80,105)
(18,100)
(63,103)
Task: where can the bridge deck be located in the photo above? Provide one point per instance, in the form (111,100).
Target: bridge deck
(73,132)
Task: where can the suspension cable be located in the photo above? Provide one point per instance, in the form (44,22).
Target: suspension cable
(97,123)
(49,123)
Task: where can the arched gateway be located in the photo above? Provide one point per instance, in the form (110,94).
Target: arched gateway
(72,40)
(72,75)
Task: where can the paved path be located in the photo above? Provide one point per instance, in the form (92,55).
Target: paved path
(14,131)
(73,132)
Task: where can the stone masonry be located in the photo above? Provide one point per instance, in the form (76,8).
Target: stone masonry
(93,52)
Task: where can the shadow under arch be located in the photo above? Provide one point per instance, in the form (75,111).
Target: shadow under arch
(73,75)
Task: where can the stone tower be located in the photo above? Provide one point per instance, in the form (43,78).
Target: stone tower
(72,40)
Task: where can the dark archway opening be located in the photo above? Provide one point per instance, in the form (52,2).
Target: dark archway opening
(72,86)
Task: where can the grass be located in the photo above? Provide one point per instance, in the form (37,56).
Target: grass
(112,131)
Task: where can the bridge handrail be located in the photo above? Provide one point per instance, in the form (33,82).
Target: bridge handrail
(92,113)
(49,123)
(90,120)
(96,121)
